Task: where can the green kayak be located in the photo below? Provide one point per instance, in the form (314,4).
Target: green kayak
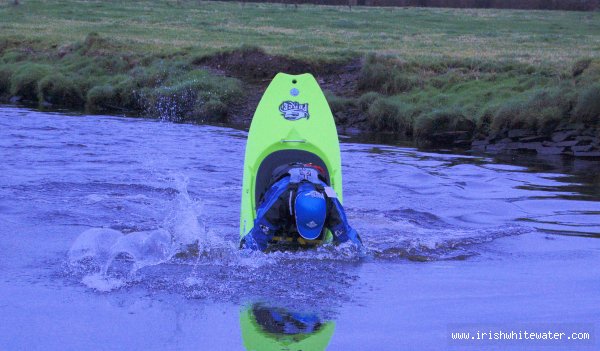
(292,123)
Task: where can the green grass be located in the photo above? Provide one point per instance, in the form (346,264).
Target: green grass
(476,96)
(167,27)
(587,109)
(96,73)
(425,70)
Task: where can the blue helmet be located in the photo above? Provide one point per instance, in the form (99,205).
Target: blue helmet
(310,210)
(281,321)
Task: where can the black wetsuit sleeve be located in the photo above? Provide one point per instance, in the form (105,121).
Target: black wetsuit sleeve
(277,214)
(338,224)
(270,218)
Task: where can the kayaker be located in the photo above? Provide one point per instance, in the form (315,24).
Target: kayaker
(296,210)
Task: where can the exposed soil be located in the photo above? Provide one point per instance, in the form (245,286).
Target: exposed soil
(255,69)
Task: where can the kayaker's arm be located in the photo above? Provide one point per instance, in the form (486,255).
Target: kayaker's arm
(338,223)
(258,238)
(268,218)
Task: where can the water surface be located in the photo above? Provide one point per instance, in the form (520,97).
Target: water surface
(122,233)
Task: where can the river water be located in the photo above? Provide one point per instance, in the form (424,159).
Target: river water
(120,233)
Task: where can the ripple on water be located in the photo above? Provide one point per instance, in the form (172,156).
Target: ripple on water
(155,230)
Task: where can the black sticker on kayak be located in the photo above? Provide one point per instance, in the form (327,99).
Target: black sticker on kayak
(293,111)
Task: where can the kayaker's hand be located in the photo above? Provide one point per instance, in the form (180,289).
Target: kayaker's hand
(248,242)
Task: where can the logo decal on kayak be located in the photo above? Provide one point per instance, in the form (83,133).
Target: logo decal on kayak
(293,111)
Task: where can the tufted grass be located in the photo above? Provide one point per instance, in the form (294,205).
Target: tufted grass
(425,70)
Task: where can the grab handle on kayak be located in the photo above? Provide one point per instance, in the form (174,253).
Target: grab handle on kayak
(293,140)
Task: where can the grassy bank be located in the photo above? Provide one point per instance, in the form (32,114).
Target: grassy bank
(421,72)
(440,101)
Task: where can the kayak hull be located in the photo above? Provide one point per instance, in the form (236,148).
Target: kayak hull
(292,123)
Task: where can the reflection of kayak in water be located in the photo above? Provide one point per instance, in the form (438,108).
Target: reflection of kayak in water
(292,123)
(268,328)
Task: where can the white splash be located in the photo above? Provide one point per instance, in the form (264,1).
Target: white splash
(102,283)
(185,222)
(95,244)
(98,251)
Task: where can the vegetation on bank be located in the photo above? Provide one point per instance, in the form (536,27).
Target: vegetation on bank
(471,97)
(422,72)
(93,74)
